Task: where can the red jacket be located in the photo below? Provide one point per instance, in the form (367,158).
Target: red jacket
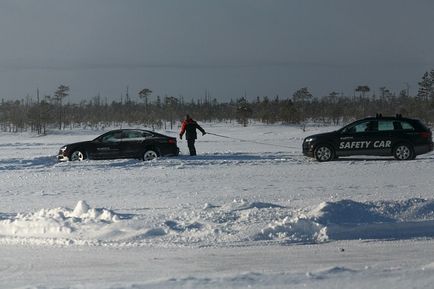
(189,127)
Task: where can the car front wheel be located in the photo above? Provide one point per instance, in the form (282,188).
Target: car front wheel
(324,153)
(150,155)
(77,156)
(403,152)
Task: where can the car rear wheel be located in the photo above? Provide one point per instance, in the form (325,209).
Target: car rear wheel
(403,152)
(150,155)
(324,153)
(77,156)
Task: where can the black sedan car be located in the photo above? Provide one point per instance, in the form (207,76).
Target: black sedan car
(119,144)
(403,138)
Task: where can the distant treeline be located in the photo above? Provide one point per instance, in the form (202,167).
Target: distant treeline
(50,112)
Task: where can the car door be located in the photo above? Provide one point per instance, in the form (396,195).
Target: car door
(358,139)
(108,145)
(386,137)
(133,143)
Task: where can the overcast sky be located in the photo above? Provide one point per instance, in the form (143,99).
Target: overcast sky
(225,47)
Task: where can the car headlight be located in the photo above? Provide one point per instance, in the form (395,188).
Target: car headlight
(309,139)
(63,148)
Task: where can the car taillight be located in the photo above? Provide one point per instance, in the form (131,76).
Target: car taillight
(172,140)
(425,134)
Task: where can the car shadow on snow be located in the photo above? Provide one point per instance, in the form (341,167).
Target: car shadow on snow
(386,158)
(240,157)
(205,159)
(363,159)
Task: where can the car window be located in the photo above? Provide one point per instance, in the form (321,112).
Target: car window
(112,137)
(397,125)
(406,125)
(132,135)
(386,125)
(371,125)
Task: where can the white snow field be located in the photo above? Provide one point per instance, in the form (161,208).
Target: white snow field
(248,212)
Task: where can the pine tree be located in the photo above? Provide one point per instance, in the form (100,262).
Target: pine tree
(425,86)
(244,111)
(61,92)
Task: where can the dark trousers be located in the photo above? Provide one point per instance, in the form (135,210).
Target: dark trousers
(191,147)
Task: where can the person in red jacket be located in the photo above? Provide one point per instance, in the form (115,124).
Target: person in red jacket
(189,127)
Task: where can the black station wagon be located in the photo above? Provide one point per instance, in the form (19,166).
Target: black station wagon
(403,138)
(119,144)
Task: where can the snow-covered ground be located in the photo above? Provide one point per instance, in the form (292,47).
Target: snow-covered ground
(248,212)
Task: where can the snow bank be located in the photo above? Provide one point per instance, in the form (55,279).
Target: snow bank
(58,223)
(300,230)
(348,219)
(351,212)
(237,222)
(376,220)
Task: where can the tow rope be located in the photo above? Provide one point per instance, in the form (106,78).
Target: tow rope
(251,141)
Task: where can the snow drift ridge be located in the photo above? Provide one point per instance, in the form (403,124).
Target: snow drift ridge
(212,225)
